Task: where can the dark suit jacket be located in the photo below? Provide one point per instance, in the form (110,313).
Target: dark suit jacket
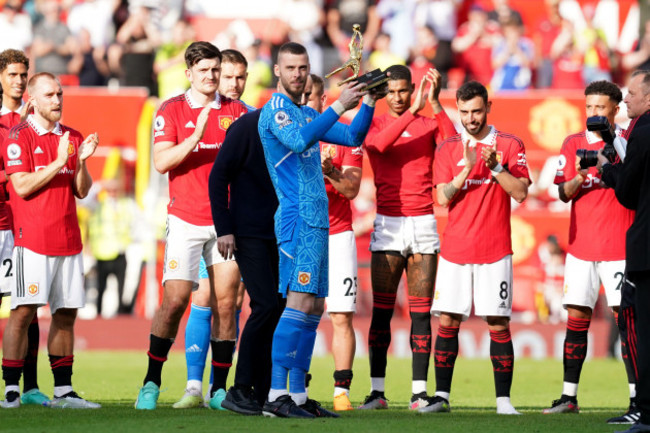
(633,191)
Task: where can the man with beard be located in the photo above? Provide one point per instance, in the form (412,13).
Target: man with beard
(475,265)
(290,134)
(46,164)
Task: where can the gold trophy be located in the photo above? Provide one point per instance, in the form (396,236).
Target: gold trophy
(373,78)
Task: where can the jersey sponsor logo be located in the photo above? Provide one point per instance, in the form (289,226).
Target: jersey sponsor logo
(203,145)
(475,182)
(38,150)
(190,124)
(172,264)
(66,170)
(159,123)
(32,289)
(309,152)
(225,122)
(282,119)
(304,278)
(13,151)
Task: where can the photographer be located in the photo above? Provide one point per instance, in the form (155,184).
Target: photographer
(632,187)
(591,259)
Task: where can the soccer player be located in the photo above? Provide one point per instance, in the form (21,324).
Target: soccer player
(14,65)
(476,254)
(46,164)
(342,170)
(188,131)
(290,134)
(590,259)
(232,83)
(401,146)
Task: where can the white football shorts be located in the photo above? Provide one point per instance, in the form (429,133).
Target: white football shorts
(342,297)
(582,281)
(406,235)
(7,270)
(488,285)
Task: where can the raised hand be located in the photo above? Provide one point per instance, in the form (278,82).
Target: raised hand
(202,122)
(352,94)
(489,156)
(469,155)
(435,80)
(87,148)
(62,154)
(420,97)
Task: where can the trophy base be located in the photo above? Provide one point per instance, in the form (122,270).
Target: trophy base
(373,78)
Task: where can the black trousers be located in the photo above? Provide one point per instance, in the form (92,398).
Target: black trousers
(258,264)
(642,327)
(116,267)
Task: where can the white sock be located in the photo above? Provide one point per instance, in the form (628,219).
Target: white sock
(274,394)
(632,390)
(9,388)
(418,386)
(339,391)
(442,394)
(377,384)
(60,391)
(570,389)
(504,407)
(299,397)
(194,384)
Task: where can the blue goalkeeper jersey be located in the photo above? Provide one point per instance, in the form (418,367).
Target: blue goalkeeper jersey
(290,136)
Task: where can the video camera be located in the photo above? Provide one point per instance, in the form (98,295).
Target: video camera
(589,158)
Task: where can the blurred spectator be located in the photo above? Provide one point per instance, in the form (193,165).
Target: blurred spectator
(503,13)
(639,58)
(512,58)
(382,57)
(304,21)
(436,19)
(474,42)
(110,233)
(549,299)
(567,60)
(88,63)
(546,32)
(591,43)
(259,74)
(343,14)
(15,27)
(131,57)
(96,17)
(397,20)
(169,64)
(53,44)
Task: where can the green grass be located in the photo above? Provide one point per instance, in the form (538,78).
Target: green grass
(113,378)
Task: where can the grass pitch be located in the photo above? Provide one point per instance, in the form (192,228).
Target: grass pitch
(113,379)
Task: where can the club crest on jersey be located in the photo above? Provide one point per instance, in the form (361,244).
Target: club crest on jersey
(304,278)
(13,151)
(225,122)
(172,264)
(499,156)
(282,119)
(329,150)
(159,123)
(70,148)
(32,289)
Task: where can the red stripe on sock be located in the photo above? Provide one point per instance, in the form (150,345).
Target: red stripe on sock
(13,363)
(578,325)
(448,331)
(34,320)
(500,336)
(384,301)
(419,304)
(221,364)
(66,361)
(631,341)
(156,358)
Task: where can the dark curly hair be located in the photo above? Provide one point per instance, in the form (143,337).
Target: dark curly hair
(606,88)
(10,56)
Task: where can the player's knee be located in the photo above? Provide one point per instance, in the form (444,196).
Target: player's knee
(341,320)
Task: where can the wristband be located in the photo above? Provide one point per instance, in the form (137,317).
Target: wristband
(338,107)
(369,101)
(497,169)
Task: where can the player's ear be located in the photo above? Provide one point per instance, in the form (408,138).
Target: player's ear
(488,107)
(276,70)
(323,99)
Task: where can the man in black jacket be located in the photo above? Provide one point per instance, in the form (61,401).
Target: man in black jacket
(245,225)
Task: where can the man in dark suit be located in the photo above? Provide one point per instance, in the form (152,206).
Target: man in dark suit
(631,181)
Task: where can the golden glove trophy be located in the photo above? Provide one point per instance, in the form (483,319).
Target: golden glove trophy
(373,78)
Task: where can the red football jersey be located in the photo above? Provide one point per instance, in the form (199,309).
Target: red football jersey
(188,182)
(478,228)
(401,151)
(598,221)
(9,118)
(46,221)
(340,212)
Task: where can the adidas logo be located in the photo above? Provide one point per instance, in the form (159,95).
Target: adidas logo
(292,354)
(503,305)
(38,150)
(190,124)
(406,134)
(194,348)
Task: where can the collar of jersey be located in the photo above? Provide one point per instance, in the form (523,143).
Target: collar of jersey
(488,140)
(216,104)
(284,98)
(42,131)
(4,110)
(593,138)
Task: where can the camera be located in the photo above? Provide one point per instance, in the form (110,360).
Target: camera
(589,158)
